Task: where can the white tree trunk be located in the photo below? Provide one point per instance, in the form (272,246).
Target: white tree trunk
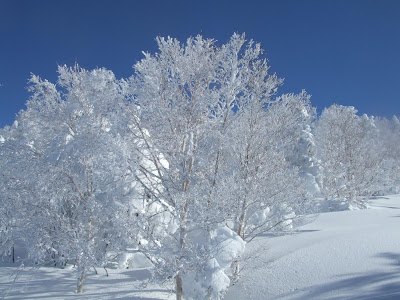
(80,282)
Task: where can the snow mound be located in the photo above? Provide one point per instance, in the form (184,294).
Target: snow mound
(135,260)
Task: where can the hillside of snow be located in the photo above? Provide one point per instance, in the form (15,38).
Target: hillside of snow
(337,255)
(341,255)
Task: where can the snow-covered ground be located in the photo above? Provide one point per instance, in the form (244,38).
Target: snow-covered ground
(338,255)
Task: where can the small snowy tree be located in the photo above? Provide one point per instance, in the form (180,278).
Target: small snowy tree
(388,139)
(268,190)
(350,159)
(298,141)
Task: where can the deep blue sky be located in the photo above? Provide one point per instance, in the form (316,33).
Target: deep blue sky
(344,52)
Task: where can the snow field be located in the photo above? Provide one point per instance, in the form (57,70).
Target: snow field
(341,255)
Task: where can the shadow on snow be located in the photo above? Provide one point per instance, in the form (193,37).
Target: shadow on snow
(376,285)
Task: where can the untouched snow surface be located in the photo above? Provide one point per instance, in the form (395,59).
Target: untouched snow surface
(338,255)
(341,255)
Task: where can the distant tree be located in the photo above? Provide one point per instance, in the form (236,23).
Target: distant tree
(268,190)
(299,144)
(389,146)
(349,156)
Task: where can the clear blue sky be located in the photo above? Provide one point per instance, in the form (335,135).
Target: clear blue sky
(344,52)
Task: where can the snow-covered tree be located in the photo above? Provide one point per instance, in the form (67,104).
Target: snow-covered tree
(209,112)
(268,190)
(389,140)
(8,209)
(298,141)
(350,158)
(73,171)
(176,90)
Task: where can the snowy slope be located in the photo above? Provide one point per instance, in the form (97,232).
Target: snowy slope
(339,255)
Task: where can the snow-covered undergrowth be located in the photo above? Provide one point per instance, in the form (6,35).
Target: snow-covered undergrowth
(336,255)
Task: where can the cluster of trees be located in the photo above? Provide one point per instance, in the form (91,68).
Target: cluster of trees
(358,155)
(186,161)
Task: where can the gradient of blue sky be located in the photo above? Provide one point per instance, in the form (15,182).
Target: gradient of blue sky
(344,52)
